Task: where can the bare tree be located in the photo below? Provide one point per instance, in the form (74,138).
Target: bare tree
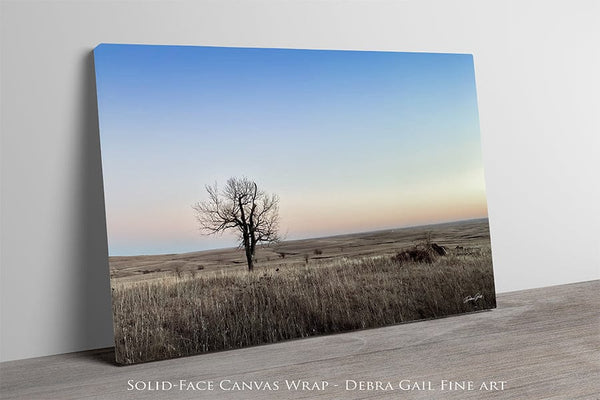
(240,206)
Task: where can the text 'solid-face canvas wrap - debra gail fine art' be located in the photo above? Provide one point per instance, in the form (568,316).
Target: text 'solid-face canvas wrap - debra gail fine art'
(257,195)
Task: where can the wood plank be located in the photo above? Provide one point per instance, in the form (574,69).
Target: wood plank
(543,342)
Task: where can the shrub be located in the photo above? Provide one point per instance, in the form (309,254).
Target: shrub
(426,252)
(415,254)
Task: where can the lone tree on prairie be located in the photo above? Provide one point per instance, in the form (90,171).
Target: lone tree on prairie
(243,207)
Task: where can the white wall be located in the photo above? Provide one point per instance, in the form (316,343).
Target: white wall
(537,69)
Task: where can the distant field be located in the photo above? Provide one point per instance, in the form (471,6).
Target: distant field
(471,233)
(319,286)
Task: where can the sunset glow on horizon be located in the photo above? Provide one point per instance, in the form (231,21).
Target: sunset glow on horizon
(351,141)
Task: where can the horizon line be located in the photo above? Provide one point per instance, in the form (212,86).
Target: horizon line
(312,237)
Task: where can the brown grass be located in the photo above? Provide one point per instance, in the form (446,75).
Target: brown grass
(470,234)
(189,314)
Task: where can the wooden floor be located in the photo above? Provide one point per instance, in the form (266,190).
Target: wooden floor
(544,343)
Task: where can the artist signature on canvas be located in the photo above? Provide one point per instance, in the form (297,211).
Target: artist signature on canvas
(473,298)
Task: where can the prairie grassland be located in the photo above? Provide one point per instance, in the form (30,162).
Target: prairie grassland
(469,233)
(209,311)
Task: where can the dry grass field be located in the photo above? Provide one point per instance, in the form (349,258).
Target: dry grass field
(181,304)
(471,233)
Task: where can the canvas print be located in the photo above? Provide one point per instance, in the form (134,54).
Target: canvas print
(258,195)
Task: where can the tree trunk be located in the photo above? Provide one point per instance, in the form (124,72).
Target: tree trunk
(252,243)
(248,250)
(249,259)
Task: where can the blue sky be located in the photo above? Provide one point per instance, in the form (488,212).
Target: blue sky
(350,140)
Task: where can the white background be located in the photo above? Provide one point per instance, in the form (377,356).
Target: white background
(537,66)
